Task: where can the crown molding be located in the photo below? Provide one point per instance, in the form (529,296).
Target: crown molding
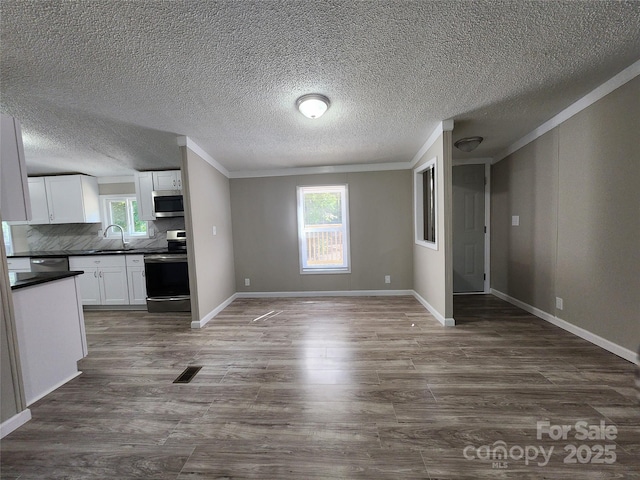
(353,168)
(589,99)
(184,141)
(444,126)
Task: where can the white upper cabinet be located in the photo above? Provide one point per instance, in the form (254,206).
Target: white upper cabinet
(167,180)
(147,182)
(73,199)
(14,192)
(39,208)
(64,199)
(144,187)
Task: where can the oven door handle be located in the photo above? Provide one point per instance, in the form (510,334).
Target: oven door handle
(177,258)
(169,299)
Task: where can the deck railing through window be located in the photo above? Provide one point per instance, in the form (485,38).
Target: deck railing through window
(325,245)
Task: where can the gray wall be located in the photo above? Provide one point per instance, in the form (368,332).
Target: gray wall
(577,191)
(206,193)
(433,269)
(266,239)
(523,258)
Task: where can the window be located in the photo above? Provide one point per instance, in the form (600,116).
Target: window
(323,229)
(8,241)
(425,204)
(122,210)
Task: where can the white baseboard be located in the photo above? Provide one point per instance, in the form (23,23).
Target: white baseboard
(608,345)
(14,422)
(331,293)
(204,320)
(524,306)
(447,322)
(31,401)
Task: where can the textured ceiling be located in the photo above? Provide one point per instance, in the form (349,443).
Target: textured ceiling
(104,87)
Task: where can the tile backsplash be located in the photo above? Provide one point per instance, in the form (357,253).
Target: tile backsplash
(84,236)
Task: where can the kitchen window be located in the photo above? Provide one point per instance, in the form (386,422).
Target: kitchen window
(323,229)
(122,210)
(8,240)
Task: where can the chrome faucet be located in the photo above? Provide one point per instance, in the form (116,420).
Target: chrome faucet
(124,244)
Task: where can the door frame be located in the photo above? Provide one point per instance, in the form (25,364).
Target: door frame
(487,218)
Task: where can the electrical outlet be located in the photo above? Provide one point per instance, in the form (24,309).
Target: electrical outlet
(387,279)
(515,220)
(559,303)
(247,282)
(100,233)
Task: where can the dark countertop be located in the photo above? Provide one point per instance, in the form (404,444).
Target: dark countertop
(73,253)
(27,279)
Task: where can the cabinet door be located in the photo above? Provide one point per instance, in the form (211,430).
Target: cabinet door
(64,197)
(137,286)
(38,195)
(144,187)
(89,283)
(113,285)
(167,180)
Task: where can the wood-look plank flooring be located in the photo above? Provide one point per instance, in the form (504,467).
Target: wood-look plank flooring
(330,388)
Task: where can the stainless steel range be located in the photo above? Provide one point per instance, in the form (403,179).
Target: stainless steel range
(167,276)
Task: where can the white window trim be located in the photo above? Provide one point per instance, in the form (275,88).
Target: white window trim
(418,204)
(301,237)
(114,233)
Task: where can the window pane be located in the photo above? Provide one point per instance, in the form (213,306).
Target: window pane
(325,248)
(139,226)
(119,213)
(322,208)
(429,192)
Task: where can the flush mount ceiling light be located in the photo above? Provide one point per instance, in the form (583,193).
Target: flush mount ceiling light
(468,144)
(313,105)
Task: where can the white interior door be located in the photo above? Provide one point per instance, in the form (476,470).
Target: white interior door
(468,228)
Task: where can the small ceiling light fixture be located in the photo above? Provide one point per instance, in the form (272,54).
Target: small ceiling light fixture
(313,105)
(468,144)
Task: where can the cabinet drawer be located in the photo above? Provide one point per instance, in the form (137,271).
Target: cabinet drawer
(135,260)
(19,263)
(78,263)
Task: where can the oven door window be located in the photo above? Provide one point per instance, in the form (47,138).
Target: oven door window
(167,279)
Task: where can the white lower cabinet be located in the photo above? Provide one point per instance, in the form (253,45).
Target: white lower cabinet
(137,282)
(19,264)
(104,281)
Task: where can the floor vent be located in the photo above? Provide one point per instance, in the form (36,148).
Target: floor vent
(187,375)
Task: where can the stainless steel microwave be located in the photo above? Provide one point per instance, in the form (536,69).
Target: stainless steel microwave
(167,203)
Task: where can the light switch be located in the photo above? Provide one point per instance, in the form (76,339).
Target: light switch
(515,220)
(215,230)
